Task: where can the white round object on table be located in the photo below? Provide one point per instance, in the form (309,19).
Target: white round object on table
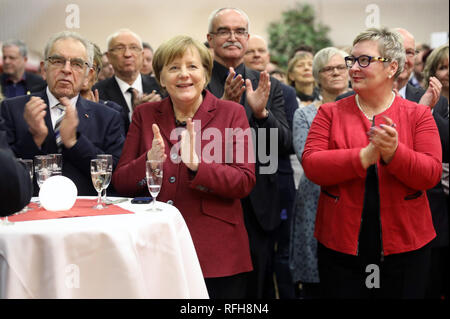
(58,193)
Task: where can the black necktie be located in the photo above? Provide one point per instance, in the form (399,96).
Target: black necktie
(133,96)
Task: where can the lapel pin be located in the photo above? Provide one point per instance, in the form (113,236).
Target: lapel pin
(86,115)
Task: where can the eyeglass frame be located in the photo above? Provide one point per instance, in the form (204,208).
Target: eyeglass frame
(226,33)
(121,49)
(351,57)
(330,69)
(64,61)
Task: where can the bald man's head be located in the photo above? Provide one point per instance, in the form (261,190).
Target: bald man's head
(410,50)
(257,55)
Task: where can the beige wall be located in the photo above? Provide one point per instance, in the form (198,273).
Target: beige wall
(156,20)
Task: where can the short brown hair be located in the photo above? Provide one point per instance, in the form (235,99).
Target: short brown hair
(176,47)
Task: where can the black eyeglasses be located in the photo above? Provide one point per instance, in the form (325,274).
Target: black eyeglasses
(363,60)
(77,64)
(120,49)
(226,33)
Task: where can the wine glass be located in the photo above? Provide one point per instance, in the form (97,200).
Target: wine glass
(154,174)
(98,175)
(42,169)
(109,169)
(30,168)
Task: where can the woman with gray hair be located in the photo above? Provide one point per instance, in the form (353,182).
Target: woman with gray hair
(373,154)
(330,73)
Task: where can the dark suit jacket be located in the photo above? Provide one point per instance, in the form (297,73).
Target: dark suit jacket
(33,82)
(15,183)
(208,199)
(264,197)
(109,90)
(98,132)
(436,197)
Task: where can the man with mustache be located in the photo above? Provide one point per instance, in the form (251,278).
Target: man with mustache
(58,119)
(262,98)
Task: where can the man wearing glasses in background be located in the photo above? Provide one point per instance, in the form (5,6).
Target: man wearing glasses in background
(127,87)
(262,98)
(59,120)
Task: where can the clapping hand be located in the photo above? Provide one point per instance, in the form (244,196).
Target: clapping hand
(187,148)
(432,94)
(385,139)
(234,87)
(34,114)
(157,152)
(257,99)
(69,123)
(143,98)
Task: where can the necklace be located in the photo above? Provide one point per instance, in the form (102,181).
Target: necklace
(384,109)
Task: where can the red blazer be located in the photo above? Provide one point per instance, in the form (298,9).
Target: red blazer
(208,200)
(331,159)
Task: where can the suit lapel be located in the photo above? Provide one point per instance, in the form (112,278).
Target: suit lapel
(84,114)
(412,93)
(115,93)
(165,118)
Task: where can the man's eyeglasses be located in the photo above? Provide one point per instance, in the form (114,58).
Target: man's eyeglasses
(226,33)
(363,60)
(77,64)
(330,69)
(122,48)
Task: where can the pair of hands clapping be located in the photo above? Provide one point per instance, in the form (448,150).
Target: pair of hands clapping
(257,99)
(187,146)
(34,114)
(383,144)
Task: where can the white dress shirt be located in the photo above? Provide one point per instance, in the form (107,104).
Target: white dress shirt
(124,86)
(55,112)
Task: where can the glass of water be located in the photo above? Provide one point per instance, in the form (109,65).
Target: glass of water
(98,175)
(154,174)
(109,169)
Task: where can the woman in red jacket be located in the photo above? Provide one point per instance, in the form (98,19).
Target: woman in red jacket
(208,161)
(374,154)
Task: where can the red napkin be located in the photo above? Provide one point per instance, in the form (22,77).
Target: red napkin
(82,208)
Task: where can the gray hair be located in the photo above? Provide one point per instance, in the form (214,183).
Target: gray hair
(119,32)
(390,45)
(213,15)
(17,43)
(70,35)
(322,58)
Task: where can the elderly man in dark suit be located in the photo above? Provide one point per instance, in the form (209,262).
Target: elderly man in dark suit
(14,80)
(262,99)
(127,87)
(15,183)
(58,119)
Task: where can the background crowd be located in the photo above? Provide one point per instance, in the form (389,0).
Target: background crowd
(361,147)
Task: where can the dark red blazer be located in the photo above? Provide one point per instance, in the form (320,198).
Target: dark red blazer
(209,199)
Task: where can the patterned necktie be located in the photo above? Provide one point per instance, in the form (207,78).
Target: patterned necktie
(62,111)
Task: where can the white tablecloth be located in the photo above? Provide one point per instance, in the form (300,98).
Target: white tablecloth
(141,255)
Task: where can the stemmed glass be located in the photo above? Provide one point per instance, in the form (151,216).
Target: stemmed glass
(98,175)
(154,174)
(109,169)
(43,165)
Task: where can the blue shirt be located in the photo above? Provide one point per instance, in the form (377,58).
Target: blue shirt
(12,89)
